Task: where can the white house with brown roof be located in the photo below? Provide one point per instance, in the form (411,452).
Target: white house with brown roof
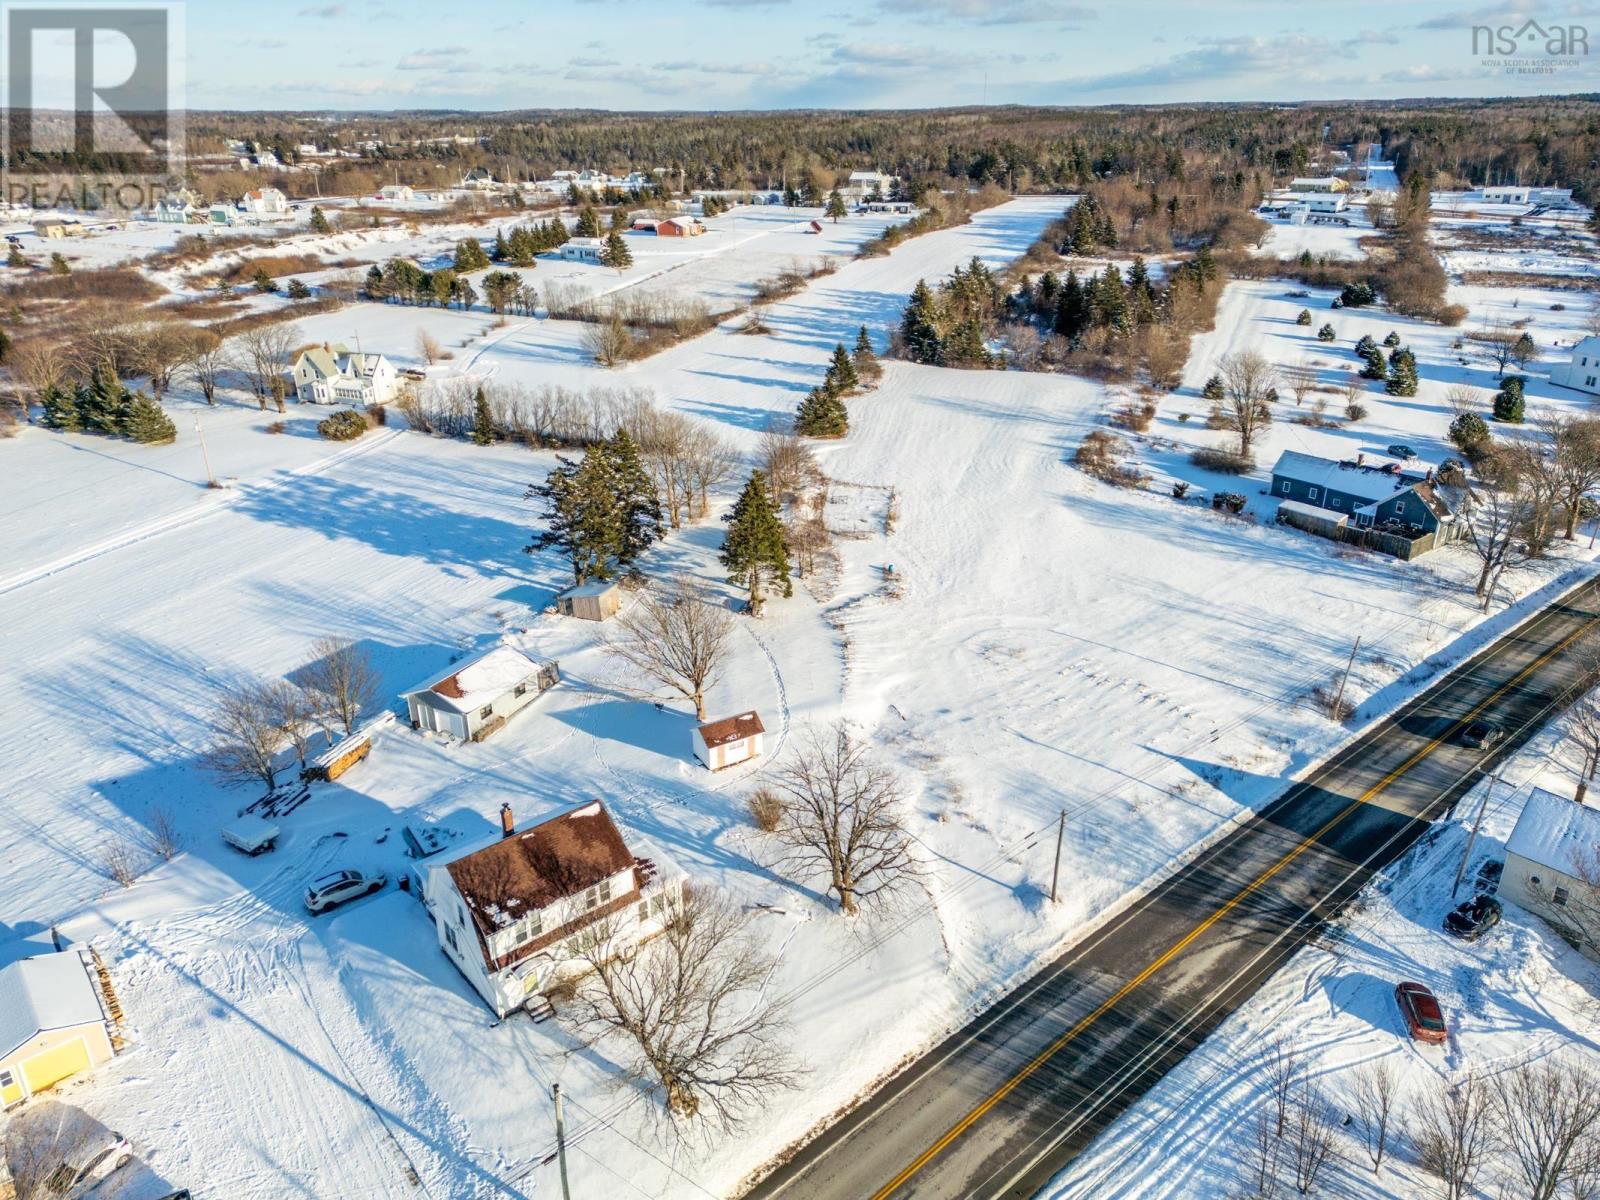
(729,741)
(514,912)
(473,699)
(337,375)
(264,202)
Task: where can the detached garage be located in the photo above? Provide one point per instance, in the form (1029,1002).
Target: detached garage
(52,1024)
(475,698)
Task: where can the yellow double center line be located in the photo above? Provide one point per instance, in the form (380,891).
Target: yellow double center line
(1199,930)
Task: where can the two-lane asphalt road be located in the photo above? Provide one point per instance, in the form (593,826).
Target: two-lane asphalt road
(1002,1105)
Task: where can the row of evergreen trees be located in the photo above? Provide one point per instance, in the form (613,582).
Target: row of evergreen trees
(403,282)
(1089,228)
(823,413)
(1398,373)
(603,512)
(525,242)
(104,405)
(950,327)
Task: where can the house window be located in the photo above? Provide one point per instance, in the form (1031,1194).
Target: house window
(450,936)
(1335,501)
(7,1079)
(528,929)
(1558,896)
(520,690)
(486,712)
(1283,486)
(1399,506)
(1311,493)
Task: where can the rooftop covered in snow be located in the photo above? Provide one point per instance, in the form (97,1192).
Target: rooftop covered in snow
(1555,832)
(468,686)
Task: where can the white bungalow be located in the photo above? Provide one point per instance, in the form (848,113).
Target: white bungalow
(515,911)
(729,741)
(399,193)
(1582,371)
(1320,183)
(1553,865)
(335,375)
(472,700)
(582,249)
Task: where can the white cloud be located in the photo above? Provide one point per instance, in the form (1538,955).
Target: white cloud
(433,60)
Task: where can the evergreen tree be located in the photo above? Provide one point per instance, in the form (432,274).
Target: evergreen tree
(501,251)
(588,223)
(1509,404)
(1365,346)
(60,409)
(59,265)
(581,513)
(1046,293)
(297,290)
(1141,295)
(263,282)
(1392,340)
(638,503)
(102,403)
(842,377)
(1213,389)
(376,286)
(482,420)
(754,550)
(616,253)
(1072,309)
(919,328)
(319,221)
(836,208)
(791,198)
(1402,373)
(1375,367)
(964,347)
(15,257)
(1469,431)
(1111,300)
(145,422)
(866,361)
(1327,333)
(1304,318)
(822,414)
(470,256)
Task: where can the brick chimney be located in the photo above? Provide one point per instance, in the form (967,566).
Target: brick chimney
(508,825)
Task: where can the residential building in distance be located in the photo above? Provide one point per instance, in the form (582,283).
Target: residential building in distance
(1582,370)
(337,375)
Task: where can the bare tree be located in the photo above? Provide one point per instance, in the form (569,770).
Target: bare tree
(428,348)
(1284,1072)
(162,349)
(44,1144)
(1300,379)
(342,680)
(664,446)
(207,367)
(1591,321)
(1313,1134)
(1376,1086)
(1549,1118)
(608,340)
(1497,527)
(248,734)
(162,835)
(1500,340)
(1266,1155)
(120,862)
(1574,461)
(705,1041)
(1454,1133)
(710,461)
(40,363)
(1572,904)
(265,355)
(1247,380)
(677,639)
(809,540)
(788,464)
(293,710)
(1583,735)
(842,817)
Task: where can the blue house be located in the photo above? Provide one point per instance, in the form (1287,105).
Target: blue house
(1372,495)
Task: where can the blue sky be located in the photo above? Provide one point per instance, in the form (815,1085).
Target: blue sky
(738,54)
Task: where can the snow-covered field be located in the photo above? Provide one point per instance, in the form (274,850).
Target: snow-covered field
(1047,643)
(1520,994)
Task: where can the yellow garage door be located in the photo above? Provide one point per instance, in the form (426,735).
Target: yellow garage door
(52,1066)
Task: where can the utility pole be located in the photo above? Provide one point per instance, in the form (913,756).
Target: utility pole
(1055,876)
(1473,837)
(1338,700)
(561,1141)
(211,480)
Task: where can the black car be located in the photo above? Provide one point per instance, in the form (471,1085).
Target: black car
(1399,450)
(1472,920)
(1480,735)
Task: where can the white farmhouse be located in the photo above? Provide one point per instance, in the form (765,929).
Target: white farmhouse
(864,183)
(265,202)
(335,375)
(399,193)
(582,249)
(1553,865)
(1582,372)
(728,741)
(472,700)
(514,912)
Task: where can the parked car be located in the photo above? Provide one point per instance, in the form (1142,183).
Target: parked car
(1480,735)
(1399,450)
(331,890)
(1470,921)
(1420,1009)
(99,1156)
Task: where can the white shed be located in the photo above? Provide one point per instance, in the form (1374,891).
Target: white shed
(1582,370)
(473,699)
(1553,864)
(728,741)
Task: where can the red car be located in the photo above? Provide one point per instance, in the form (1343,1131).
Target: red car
(1423,1016)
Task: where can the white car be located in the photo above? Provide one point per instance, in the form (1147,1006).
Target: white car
(107,1152)
(332,890)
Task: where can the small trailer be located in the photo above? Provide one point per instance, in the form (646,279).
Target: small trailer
(251,835)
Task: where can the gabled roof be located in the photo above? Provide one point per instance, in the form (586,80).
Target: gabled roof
(467,687)
(510,877)
(1555,832)
(1370,482)
(731,729)
(595,587)
(51,991)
